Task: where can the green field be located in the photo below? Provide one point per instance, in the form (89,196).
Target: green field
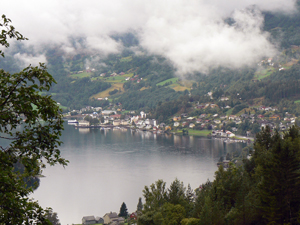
(173,80)
(126,59)
(264,73)
(199,132)
(81,75)
(297,101)
(63,107)
(228,113)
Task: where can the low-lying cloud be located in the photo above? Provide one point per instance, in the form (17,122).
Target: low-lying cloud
(26,59)
(191,34)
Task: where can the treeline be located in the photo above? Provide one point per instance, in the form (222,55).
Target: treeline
(263,190)
(77,94)
(284,28)
(148,98)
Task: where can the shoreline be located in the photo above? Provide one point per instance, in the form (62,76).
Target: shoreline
(190,132)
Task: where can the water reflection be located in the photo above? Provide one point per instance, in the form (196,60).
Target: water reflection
(111,166)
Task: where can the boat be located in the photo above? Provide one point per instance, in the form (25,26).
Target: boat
(72,121)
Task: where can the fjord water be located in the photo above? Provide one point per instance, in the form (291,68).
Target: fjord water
(108,167)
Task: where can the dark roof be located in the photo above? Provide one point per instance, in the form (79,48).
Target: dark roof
(88,218)
(113,215)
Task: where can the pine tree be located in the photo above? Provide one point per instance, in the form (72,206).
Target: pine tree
(123,210)
(139,207)
(277,170)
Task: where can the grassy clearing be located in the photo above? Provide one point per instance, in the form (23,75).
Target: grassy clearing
(297,101)
(245,111)
(229,112)
(144,88)
(105,93)
(258,101)
(290,64)
(173,80)
(199,132)
(264,73)
(81,75)
(126,59)
(63,107)
(186,83)
(178,87)
(115,79)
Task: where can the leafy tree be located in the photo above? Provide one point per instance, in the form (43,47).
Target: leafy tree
(35,144)
(155,196)
(123,210)
(172,214)
(52,217)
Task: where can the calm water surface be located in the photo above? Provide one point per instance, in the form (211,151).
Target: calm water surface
(113,166)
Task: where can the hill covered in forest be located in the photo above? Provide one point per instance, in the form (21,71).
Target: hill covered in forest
(138,80)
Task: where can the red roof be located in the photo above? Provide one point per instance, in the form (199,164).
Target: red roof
(116,116)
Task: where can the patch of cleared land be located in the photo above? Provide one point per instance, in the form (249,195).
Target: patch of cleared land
(81,75)
(199,132)
(229,112)
(173,80)
(178,87)
(105,93)
(186,83)
(264,73)
(126,59)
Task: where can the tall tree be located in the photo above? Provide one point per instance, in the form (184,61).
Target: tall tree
(123,210)
(278,174)
(34,144)
(155,196)
(52,217)
(139,207)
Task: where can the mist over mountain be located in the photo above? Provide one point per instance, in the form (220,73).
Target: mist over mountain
(193,36)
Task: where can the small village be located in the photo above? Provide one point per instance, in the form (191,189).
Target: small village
(205,124)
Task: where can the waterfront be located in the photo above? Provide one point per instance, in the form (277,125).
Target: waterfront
(108,167)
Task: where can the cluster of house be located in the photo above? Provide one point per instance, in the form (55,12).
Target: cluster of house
(203,121)
(111,117)
(222,134)
(134,78)
(215,121)
(111,218)
(112,74)
(270,62)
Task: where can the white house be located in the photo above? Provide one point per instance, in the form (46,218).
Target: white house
(191,125)
(176,124)
(143,114)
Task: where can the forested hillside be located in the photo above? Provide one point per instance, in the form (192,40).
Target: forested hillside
(264,189)
(142,81)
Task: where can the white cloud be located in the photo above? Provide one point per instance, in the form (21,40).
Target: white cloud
(27,60)
(191,34)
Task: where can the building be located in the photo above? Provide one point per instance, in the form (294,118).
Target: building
(88,220)
(112,217)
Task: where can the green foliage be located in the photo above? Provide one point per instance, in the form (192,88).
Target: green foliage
(113,92)
(264,190)
(135,99)
(123,210)
(52,217)
(139,207)
(238,108)
(77,94)
(35,144)
(166,206)
(167,82)
(8,31)
(278,166)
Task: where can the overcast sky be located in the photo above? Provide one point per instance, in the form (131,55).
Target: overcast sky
(191,34)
